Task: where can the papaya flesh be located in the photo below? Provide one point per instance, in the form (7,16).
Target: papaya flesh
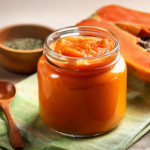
(132,28)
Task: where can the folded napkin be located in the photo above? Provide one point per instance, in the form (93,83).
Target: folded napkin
(38,136)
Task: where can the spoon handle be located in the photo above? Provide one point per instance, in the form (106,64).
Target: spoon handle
(15,136)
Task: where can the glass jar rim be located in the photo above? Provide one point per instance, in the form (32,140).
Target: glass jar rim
(76,28)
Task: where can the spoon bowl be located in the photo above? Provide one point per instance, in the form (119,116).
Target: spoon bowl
(7,94)
(7,90)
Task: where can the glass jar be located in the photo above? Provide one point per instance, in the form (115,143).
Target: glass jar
(81,97)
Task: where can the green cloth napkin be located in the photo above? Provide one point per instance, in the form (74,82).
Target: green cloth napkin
(38,136)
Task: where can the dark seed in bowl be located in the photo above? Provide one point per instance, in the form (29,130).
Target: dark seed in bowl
(145,43)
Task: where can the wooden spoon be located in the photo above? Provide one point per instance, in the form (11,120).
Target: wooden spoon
(7,94)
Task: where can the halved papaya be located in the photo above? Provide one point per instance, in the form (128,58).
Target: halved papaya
(132,28)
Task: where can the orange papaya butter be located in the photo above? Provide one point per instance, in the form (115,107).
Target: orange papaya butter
(82,81)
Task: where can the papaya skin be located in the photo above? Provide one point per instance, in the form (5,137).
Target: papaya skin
(129,31)
(116,13)
(139,74)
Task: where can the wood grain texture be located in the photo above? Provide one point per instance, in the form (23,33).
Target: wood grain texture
(7,94)
(21,61)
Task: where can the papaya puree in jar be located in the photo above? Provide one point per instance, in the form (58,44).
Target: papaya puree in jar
(82,81)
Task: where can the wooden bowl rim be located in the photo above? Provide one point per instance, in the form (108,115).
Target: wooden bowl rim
(18,50)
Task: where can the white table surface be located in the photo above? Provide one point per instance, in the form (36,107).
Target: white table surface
(57,14)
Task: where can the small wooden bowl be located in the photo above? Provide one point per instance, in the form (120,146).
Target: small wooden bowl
(21,61)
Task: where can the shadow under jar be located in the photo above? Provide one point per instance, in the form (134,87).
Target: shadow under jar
(82,97)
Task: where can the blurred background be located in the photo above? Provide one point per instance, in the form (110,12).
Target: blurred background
(58,13)
(55,14)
